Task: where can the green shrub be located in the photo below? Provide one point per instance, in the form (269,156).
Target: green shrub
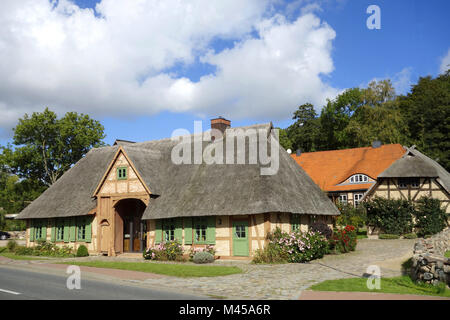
(11,245)
(351,216)
(293,247)
(208,248)
(410,236)
(387,236)
(82,251)
(390,216)
(45,249)
(344,240)
(23,251)
(430,217)
(165,251)
(203,257)
(272,253)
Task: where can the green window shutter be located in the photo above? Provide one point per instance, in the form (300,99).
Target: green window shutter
(66,230)
(31,231)
(44,230)
(53,233)
(73,229)
(179,229)
(211,230)
(187,230)
(158,231)
(88,222)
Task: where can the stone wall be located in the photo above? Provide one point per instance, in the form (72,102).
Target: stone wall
(429,262)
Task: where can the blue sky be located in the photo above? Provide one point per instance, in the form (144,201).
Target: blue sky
(412,42)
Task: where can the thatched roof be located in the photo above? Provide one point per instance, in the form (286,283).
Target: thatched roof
(416,164)
(190,189)
(71,195)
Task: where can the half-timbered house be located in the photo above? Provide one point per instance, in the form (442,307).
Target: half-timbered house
(130,196)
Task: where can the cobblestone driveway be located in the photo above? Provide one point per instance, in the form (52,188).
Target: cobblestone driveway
(286,281)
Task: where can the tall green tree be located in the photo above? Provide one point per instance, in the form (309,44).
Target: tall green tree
(46,147)
(304,132)
(336,116)
(426,110)
(378,118)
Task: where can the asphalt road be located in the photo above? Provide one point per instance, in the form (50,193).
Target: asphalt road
(17,284)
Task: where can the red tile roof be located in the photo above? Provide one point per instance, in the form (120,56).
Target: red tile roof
(330,168)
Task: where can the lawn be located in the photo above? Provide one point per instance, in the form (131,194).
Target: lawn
(12,255)
(177,270)
(400,285)
(447,254)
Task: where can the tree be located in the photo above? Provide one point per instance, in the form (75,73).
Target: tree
(46,147)
(426,110)
(304,132)
(336,116)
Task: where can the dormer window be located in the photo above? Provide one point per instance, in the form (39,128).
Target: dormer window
(359,178)
(122,173)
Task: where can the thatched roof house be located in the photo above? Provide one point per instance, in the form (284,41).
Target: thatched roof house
(412,176)
(132,195)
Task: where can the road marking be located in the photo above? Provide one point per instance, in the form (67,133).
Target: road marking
(11,292)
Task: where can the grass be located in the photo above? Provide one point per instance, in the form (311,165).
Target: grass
(447,254)
(399,285)
(12,255)
(177,270)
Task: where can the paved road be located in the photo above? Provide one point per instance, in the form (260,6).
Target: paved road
(22,284)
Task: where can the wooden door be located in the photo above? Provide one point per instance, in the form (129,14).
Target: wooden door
(240,238)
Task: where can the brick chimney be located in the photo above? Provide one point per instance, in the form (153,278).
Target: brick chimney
(219,124)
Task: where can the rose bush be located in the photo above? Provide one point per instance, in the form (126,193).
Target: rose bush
(293,247)
(344,240)
(165,251)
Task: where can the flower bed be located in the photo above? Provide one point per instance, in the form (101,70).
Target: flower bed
(208,248)
(292,247)
(165,251)
(344,240)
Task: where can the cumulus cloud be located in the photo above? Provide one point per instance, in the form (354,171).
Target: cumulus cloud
(445,63)
(114,60)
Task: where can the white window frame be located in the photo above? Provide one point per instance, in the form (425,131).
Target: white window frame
(357,201)
(343,198)
(359,178)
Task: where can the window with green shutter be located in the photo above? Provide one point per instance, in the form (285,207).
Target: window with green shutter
(295,222)
(168,229)
(122,173)
(200,226)
(59,229)
(40,230)
(84,228)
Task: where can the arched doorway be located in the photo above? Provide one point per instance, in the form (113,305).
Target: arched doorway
(130,230)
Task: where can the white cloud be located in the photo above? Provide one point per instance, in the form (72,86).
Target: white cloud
(445,63)
(402,81)
(70,60)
